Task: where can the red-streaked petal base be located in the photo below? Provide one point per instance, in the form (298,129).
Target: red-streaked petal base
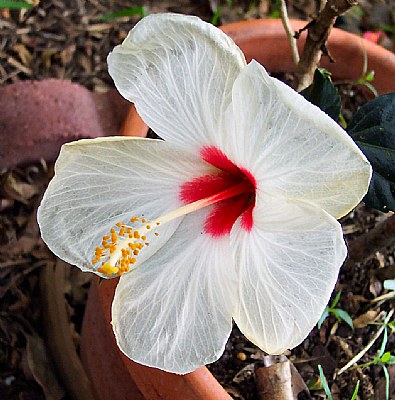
(225,213)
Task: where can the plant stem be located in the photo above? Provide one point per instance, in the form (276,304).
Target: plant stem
(318,33)
(289,30)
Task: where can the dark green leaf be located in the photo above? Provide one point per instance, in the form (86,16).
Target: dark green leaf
(373,129)
(323,94)
(15,5)
(128,12)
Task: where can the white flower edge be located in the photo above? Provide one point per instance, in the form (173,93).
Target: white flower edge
(179,72)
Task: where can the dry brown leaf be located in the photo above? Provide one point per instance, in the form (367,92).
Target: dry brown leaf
(15,189)
(244,373)
(85,62)
(67,54)
(375,286)
(365,319)
(23,53)
(42,368)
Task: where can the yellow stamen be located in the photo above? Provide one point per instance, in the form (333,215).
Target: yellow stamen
(108,269)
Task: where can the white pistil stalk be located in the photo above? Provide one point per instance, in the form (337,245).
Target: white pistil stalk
(121,245)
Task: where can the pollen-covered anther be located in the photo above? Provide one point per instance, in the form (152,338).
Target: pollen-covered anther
(119,249)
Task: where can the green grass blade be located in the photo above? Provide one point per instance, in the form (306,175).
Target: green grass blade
(127,12)
(325,383)
(15,5)
(354,395)
(216,15)
(387,383)
(383,343)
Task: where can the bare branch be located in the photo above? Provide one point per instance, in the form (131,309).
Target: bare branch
(317,36)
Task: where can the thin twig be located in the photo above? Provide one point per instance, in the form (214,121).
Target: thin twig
(290,31)
(384,297)
(355,359)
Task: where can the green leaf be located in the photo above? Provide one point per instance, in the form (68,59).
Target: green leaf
(391,360)
(370,76)
(385,357)
(336,299)
(389,284)
(323,94)
(354,395)
(323,317)
(216,15)
(344,315)
(15,5)
(127,12)
(325,383)
(373,130)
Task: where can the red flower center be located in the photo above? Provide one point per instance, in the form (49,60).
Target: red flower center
(225,212)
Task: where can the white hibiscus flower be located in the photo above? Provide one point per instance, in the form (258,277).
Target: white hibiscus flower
(232,216)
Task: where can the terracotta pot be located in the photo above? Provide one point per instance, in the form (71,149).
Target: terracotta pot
(265,41)
(36,118)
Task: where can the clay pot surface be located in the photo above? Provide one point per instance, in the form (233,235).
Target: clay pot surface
(36,118)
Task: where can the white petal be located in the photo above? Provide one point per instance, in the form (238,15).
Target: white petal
(174,312)
(288,266)
(293,149)
(179,71)
(102,181)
